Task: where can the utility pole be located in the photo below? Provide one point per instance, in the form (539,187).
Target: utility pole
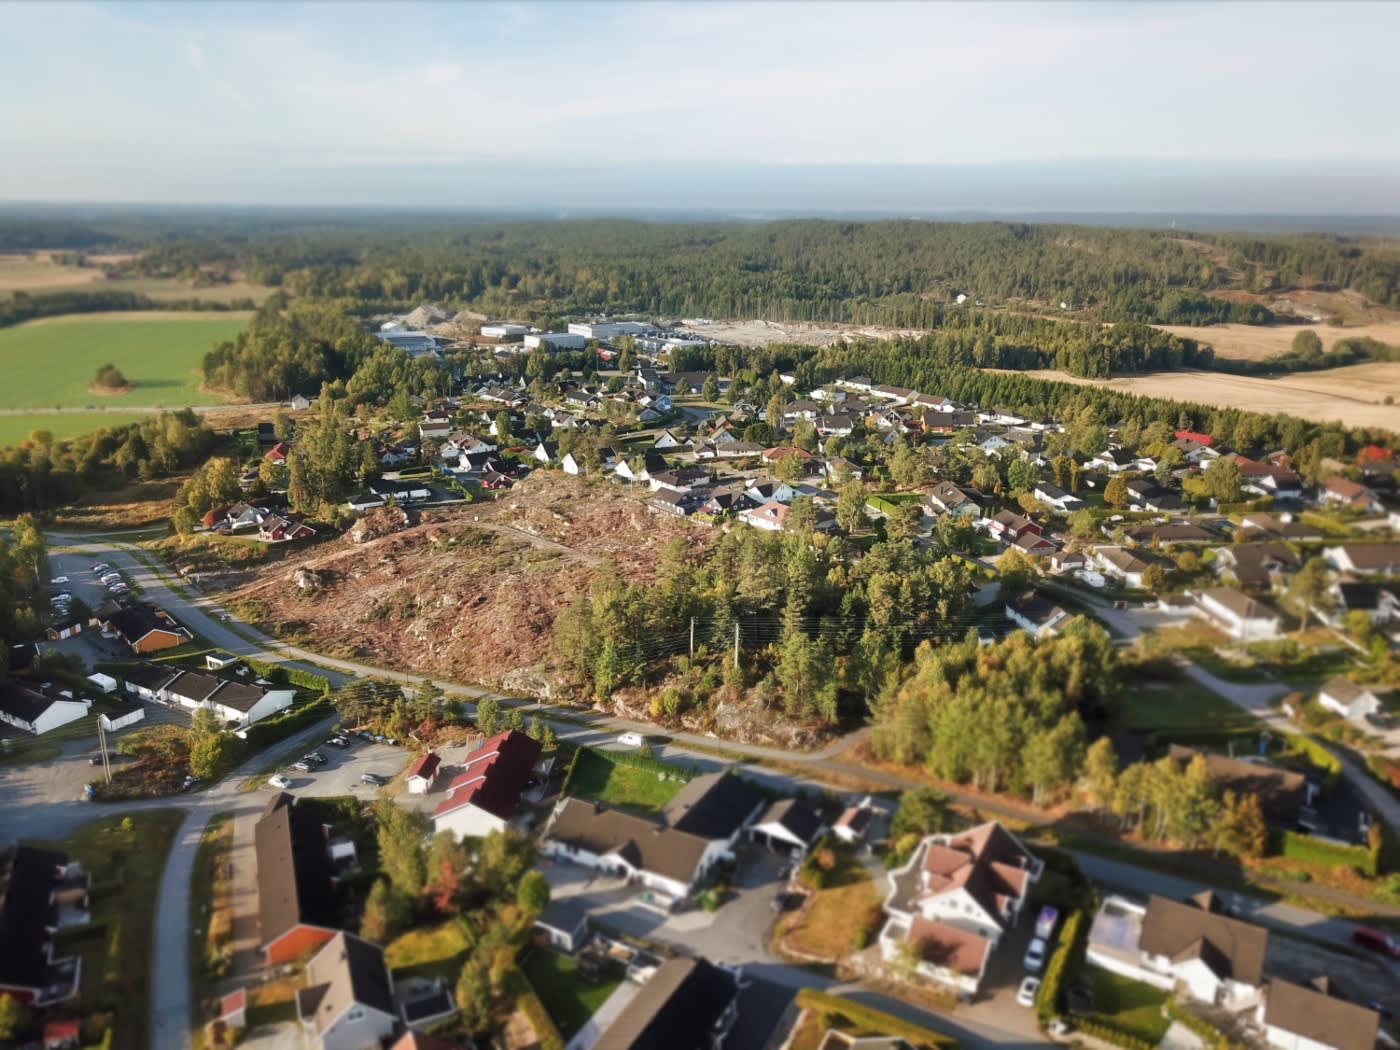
(692,638)
(102,744)
(736,645)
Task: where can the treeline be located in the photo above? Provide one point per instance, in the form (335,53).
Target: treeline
(23,306)
(1307,355)
(24,580)
(827,630)
(42,474)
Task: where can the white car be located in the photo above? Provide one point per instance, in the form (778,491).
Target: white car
(1025,995)
(631,740)
(1035,955)
(280,782)
(59,579)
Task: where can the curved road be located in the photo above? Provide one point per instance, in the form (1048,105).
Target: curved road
(171,999)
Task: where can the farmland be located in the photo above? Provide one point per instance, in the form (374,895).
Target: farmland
(49,364)
(15,427)
(39,273)
(1247,342)
(1354,395)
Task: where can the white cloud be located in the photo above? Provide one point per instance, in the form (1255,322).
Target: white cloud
(197,61)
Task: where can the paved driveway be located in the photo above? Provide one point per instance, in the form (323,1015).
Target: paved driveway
(341,773)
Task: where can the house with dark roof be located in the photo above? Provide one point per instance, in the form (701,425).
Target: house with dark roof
(297,909)
(38,711)
(1366,559)
(1256,566)
(688,1004)
(144,629)
(1238,615)
(1035,614)
(696,830)
(231,697)
(348,1002)
(948,498)
(955,899)
(1337,491)
(1301,1017)
(1282,793)
(788,826)
(484,796)
(41,891)
(1190,944)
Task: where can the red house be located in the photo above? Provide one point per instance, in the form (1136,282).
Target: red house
(1191,435)
(296,903)
(279,452)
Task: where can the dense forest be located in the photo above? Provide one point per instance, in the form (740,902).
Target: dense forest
(888,272)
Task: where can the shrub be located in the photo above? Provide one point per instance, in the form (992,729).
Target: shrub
(862,1016)
(1297,846)
(1069,949)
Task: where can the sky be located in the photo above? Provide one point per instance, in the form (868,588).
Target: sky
(793,106)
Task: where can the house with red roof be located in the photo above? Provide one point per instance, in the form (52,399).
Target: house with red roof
(279,452)
(486,793)
(422,773)
(1196,436)
(954,899)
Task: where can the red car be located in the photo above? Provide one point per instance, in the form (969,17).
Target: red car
(1375,941)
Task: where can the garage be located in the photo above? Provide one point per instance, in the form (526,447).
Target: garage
(789,827)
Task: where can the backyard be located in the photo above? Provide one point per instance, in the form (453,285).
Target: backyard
(596,776)
(1131,1007)
(430,951)
(842,911)
(567,997)
(124,857)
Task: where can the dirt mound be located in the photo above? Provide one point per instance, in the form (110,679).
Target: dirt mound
(473,594)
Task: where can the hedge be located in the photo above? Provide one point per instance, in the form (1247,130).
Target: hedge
(1110,1034)
(875,1020)
(270,730)
(285,674)
(1067,948)
(1320,757)
(1209,1034)
(569,773)
(1298,846)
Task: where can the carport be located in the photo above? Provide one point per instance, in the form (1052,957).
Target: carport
(789,827)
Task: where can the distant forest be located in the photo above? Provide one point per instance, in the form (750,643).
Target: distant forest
(900,273)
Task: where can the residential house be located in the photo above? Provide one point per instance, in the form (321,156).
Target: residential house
(484,796)
(1115,461)
(1337,491)
(1298,1017)
(546,452)
(348,1002)
(126,713)
(1057,498)
(1193,453)
(434,426)
(1380,602)
(768,516)
(1008,526)
(788,826)
(297,909)
(299,403)
(1256,566)
(854,822)
(37,712)
(1282,793)
(839,469)
(363,501)
(1256,525)
(697,829)
(279,529)
(680,504)
(41,892)
(572,464)
(681,479)
(279,452)
(1035,545)
(422,773)
(144,629)
(1146,494)
(955,899)
(230,698)
(668,441)
(1193,945)
(838,424)
(1268,479)
(947,498)
(1124,565)
(1366,559)
(65,628)
(1178,533)
(651,463)
(687,1003)
(761,490)
(1238,615)
(1036,615)
(1353,702)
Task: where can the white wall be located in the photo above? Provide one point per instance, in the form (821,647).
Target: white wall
(366,1030)
(275,700)
(469,822)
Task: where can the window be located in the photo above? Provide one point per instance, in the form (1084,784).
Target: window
(355,1014)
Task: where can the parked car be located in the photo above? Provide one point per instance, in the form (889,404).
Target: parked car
(1045,922)
(315,758)
(1035,955)
(62,597)
(99,568)
(631,740)
(302,766)
(110,578)
(338,741)
(1025,995)
(96,759)
(1375,941)
(277,780)
(372,778)
(59,580)
(190,782)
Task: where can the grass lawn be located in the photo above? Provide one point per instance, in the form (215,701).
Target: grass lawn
(15,429)
(430,951)
(1130,1006)
(50,363)
(837,912)
(125,862)
(1181,706)
(626,786)
(568,999)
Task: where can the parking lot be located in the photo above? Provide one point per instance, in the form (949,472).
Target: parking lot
(344,767)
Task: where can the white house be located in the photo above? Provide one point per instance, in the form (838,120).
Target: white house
(422,773)
(1238,615)
(131,712)
(37,712)
(231,699)
(103,683)
(1036,615)
(769,517)
(484,796)
(1370,559)
(1353,702)
(1296,1017)
(1056,497)
(955,899)
(1217,959)
(348,1002)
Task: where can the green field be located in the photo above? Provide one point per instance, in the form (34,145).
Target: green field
(14,429)
(618,785)
(50,363)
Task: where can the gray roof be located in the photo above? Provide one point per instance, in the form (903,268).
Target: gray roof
(678,1009)
(796,817)
(643,844)
(346,971)
(1323,1019)
(1180,931)
(713,806)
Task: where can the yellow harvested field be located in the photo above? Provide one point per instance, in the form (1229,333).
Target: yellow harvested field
(1245,342)
(1352,395)
(38,272)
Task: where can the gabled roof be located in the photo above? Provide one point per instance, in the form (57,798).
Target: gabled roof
(712,806)
(347,971)
(985,862)
(493,776)
(677,1009)
(150,676)
(1321,1018)
(1281,792)
(1232,949)
(645,845)
(22,702)
(1035,608)
(425,766)
(137,621)
(795,817)
(948,946)
(27,876)
(294,870)
(1240,604)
